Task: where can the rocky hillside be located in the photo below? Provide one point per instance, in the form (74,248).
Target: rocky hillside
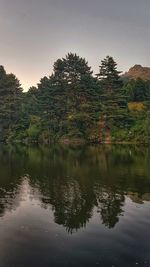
(138,72)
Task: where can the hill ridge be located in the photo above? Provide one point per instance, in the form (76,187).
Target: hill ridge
(138,71)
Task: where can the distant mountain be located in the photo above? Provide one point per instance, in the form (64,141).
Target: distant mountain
(138,71)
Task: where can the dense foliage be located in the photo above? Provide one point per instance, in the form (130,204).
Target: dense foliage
(73,105)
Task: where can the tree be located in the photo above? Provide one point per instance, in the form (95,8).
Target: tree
(109,75)
(137,90)
(10,103)
(77,90)
(73,74)
(114,102)
(71,69)
(71,104)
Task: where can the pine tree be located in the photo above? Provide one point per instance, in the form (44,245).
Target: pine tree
(10,96)
(72,72)
(78,89)
(109,75)
(111,92)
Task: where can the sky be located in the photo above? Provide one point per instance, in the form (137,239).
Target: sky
(35,33)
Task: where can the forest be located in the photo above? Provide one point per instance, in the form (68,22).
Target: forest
(73,105)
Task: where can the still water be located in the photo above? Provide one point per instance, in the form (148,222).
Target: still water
(74,206)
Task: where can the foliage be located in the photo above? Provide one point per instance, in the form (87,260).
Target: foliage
(112,97)
(137,90)
(73,104)
(136,106)
(10,103)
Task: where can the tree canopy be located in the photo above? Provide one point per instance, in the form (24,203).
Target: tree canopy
(73,104)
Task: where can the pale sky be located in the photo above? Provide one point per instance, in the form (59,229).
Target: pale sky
(35,33)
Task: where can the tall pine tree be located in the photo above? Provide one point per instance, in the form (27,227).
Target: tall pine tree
(10,96)
(111,92)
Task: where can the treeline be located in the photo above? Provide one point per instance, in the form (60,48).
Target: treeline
(73,105)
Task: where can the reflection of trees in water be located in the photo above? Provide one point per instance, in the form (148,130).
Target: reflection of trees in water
(73,204)
(109,205)
(71,207)
(75,180)
(9,181)
(11,198)
(8,200)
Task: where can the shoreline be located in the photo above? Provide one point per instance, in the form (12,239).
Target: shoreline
(76,142)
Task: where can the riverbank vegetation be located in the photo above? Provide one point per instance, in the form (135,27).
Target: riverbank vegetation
(73,105)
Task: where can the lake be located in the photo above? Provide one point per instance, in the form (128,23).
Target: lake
(74,206)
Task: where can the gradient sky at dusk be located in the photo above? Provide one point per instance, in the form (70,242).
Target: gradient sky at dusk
(35,33)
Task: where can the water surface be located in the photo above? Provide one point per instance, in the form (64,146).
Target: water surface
(74,206)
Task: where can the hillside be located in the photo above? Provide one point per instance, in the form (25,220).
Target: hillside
(138,71)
